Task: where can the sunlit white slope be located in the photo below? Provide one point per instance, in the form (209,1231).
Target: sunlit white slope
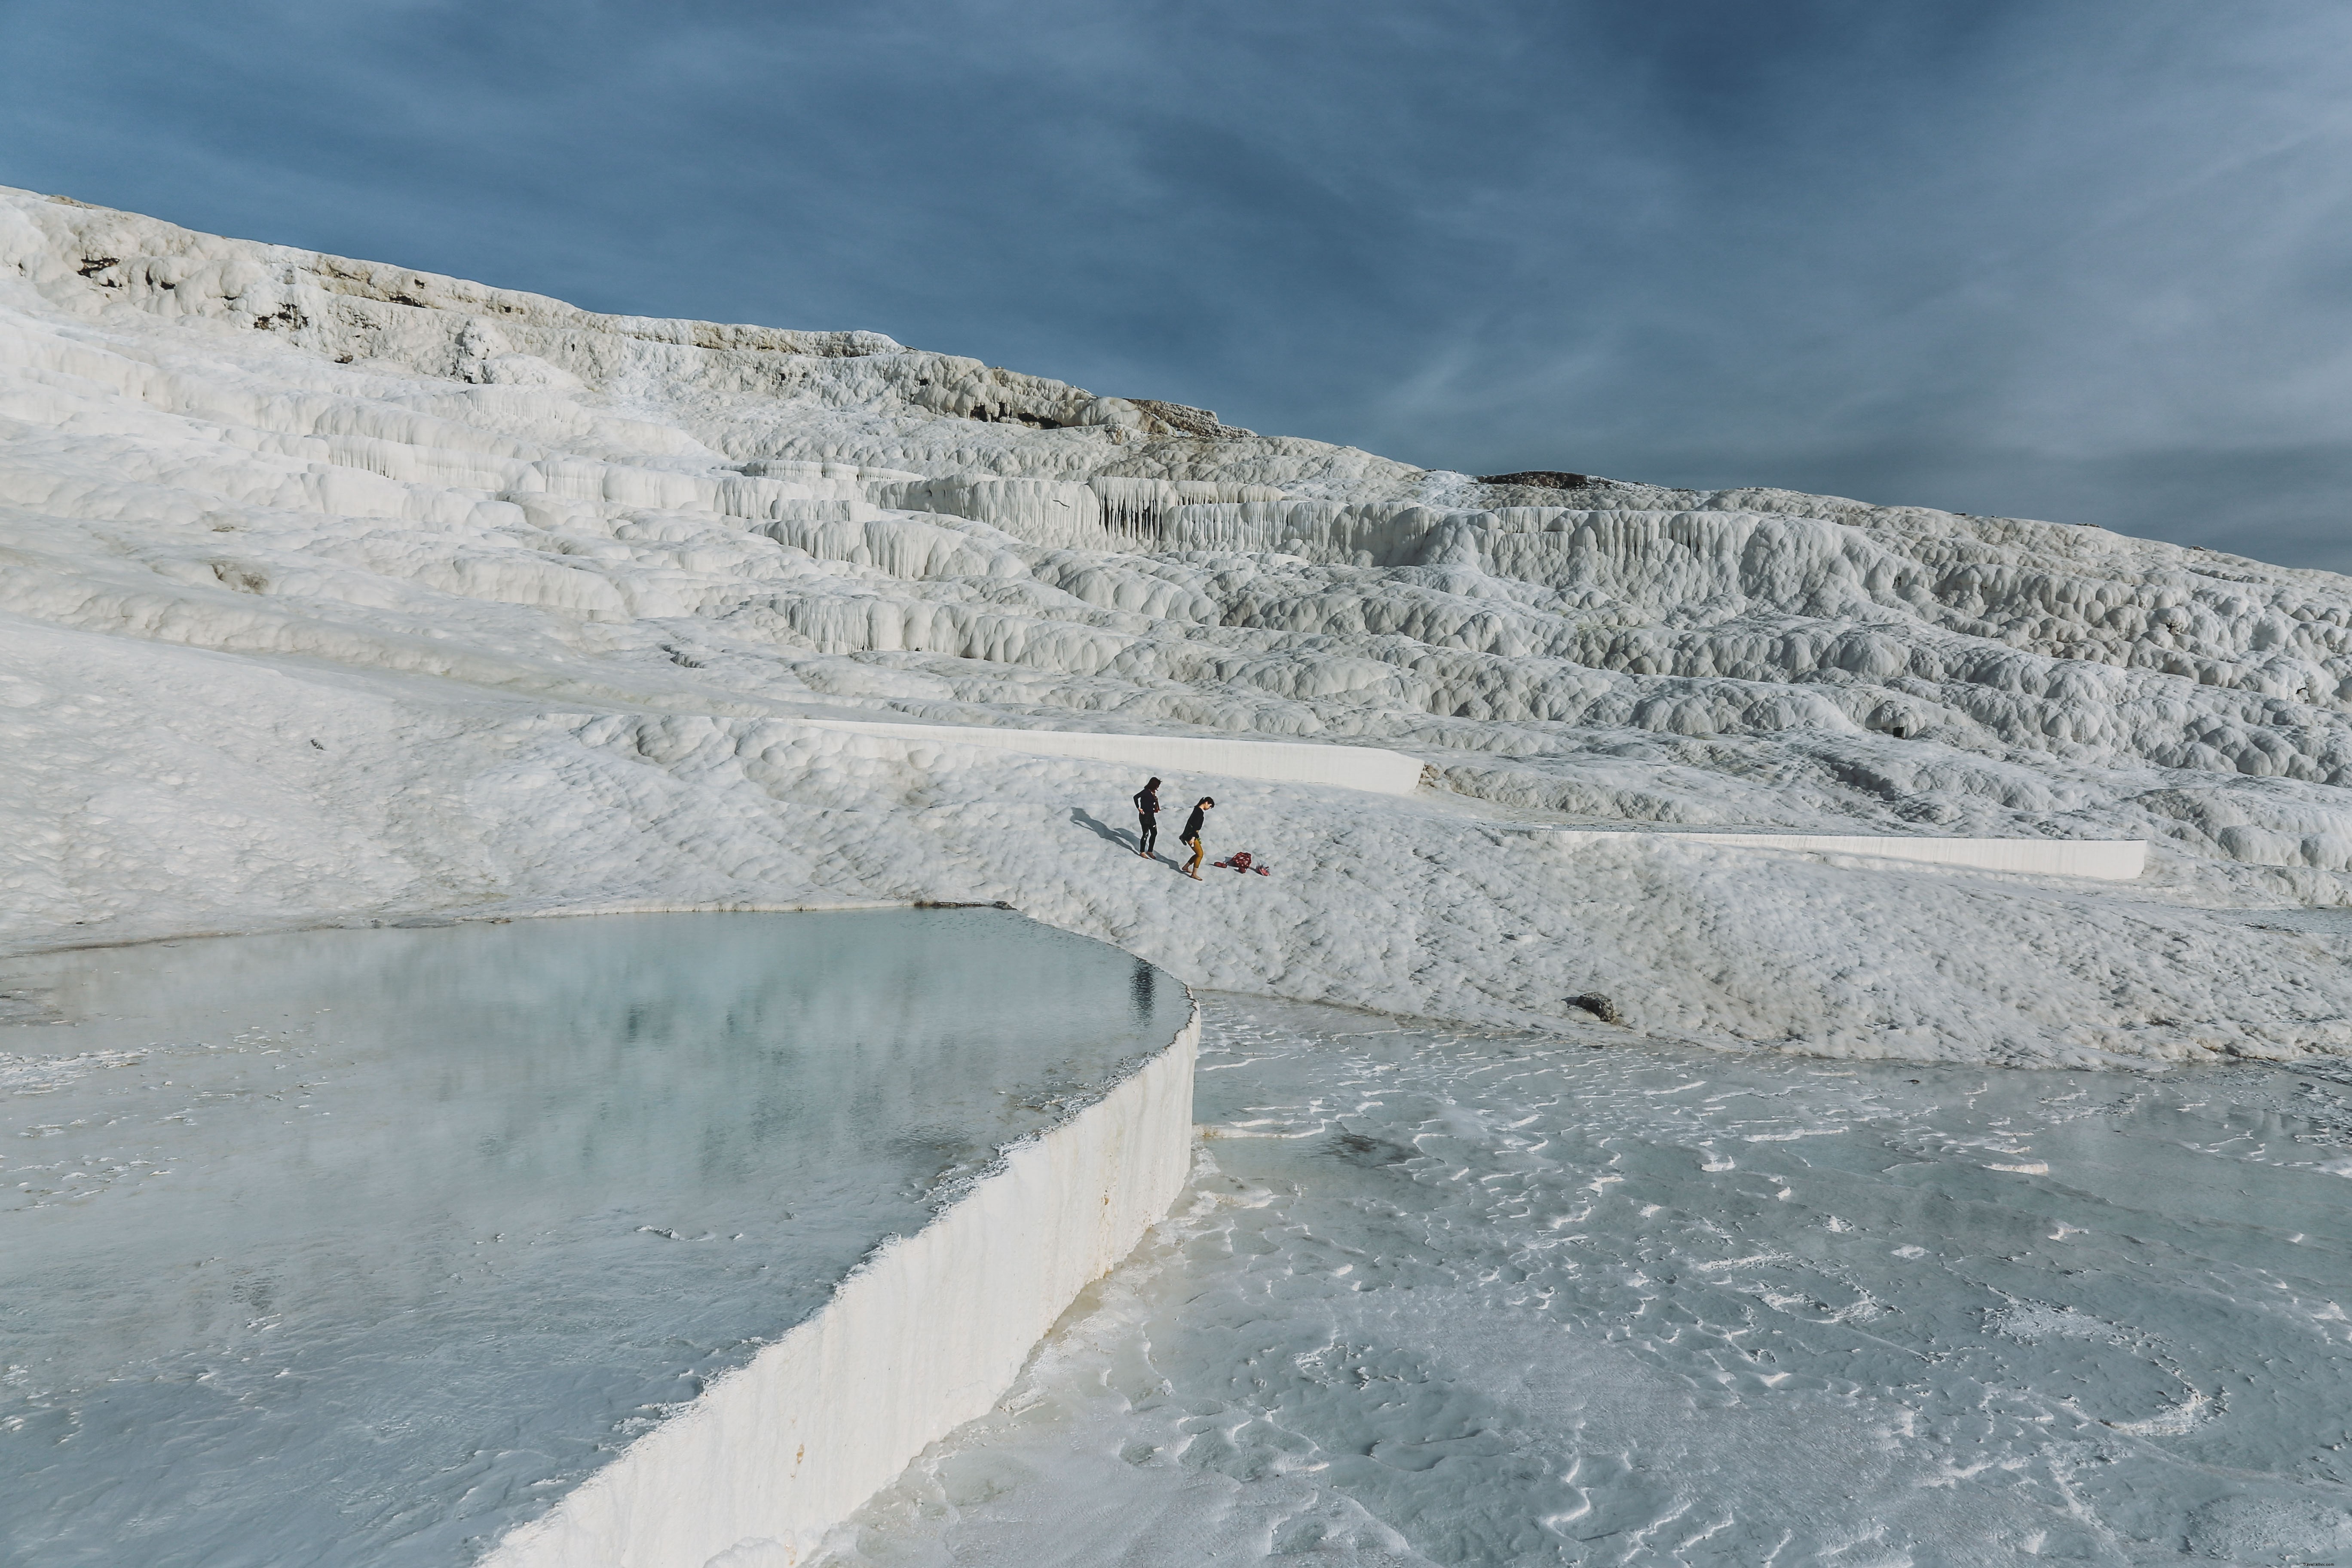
(337,590)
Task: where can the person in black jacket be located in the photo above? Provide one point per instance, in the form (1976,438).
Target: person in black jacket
(1191,835)
(1146,812)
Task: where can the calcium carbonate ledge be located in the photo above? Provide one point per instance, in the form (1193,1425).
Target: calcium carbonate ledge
(924,1336)
(1282,761)
(2104,859)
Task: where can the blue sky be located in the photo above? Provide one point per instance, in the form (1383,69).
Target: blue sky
(2084,259)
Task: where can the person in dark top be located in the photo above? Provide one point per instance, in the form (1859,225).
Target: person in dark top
(1191,835)
(1146,812)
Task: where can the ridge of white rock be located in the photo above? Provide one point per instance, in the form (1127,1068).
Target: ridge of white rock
(1367,768)
(2099,860)
(335,590)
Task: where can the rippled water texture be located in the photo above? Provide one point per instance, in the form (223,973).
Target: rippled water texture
(1515,1300)
(358,1247)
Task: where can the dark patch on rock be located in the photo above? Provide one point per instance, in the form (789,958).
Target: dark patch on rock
(1373,1154)
(1539,479)
(1186,420)
(1597,1004)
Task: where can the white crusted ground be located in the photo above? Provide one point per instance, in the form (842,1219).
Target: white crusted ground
(333,592)
(1447,1297)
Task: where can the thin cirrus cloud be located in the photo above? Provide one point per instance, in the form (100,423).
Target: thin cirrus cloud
(2089,261)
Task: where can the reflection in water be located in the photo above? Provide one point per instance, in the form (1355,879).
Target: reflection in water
(356,1246)
(1143,989)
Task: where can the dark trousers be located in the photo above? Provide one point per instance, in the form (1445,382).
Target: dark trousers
(1150,831)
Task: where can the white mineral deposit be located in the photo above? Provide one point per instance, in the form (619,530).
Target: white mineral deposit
(1724,854)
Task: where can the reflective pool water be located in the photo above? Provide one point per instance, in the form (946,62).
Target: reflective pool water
(363,1246)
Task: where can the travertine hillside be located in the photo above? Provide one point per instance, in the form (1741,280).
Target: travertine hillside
(342,591)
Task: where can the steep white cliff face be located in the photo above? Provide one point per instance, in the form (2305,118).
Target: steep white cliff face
(338,590)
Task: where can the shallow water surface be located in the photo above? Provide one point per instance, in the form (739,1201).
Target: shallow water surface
(1515,1300)
(363,1246)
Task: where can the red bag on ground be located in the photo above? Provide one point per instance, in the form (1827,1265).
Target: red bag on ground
(1241,862)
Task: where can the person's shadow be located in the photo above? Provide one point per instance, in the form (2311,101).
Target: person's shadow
(1127,841)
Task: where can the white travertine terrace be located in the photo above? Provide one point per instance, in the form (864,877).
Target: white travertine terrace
(336,590)
(924,1337)
(626,1240)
